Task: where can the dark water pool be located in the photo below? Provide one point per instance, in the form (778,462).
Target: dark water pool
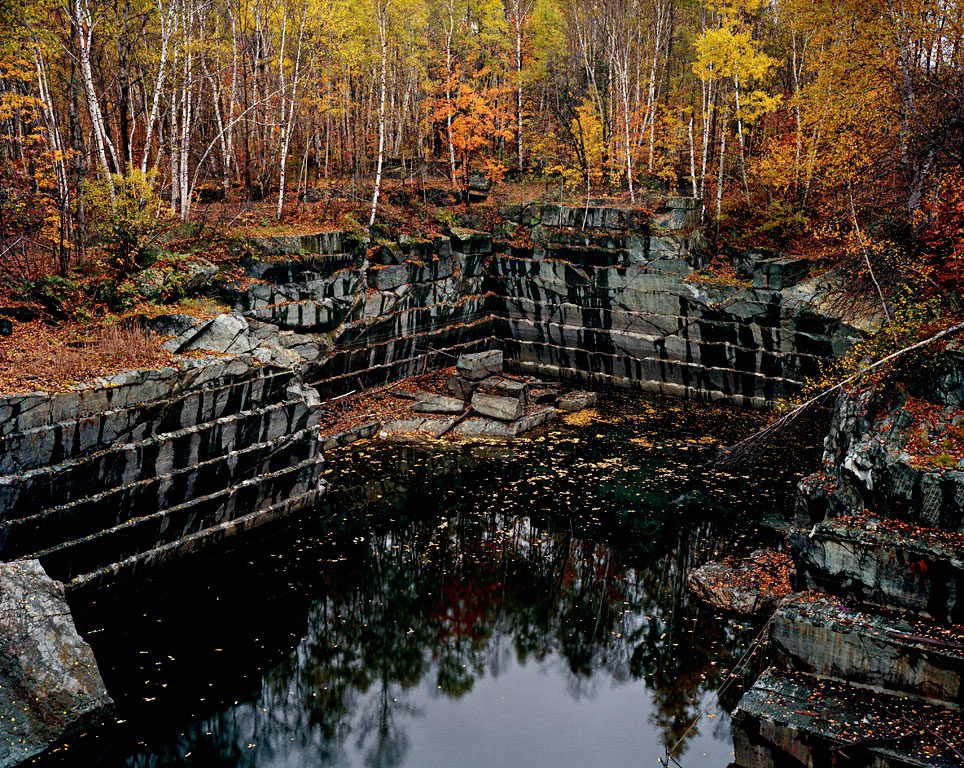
(469,607)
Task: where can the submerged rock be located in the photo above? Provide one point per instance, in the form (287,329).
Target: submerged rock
(577,401)
(51,686)
(754,585)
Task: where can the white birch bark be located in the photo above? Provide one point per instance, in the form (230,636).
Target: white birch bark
(382,11)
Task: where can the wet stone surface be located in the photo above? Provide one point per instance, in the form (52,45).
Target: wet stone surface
(519,604)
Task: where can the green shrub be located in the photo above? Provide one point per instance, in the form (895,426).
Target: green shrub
(126,216)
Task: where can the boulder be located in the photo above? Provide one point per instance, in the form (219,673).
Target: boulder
(225,333)
(437,404)
(753,585)
(480,365)
(200,273)
(577,401)
(460,387)
(496,385)
(501,408)
(51,686)
(150,283)
(309,196)
(479,182)
(169,325)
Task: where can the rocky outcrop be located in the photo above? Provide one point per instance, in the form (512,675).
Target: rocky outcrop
(823,635)
(50,686)
(793,719)
(868,462)
(381,310)
(139,468)
(878,531)
(754,585)
(610,296)
(869,559)
(606,295)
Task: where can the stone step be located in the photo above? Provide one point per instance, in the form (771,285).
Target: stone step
(321,243)
(311,266)
(344,283)
(734,331)
(376,330)
(22,412)
(52,486)
(331,379)
(604,380)
(817,633)
(588,255)
(677,300)
(794,719)
(569,362)
(356,360)
(49,444)
(315,315)
(379,303)
(115,506)
(390,278)
(142,564)
(665,347)
(885,562)
(69,559)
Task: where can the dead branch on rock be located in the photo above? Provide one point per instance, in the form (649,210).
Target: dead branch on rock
(750,446)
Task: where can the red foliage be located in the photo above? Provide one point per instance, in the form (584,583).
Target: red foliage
(942,238)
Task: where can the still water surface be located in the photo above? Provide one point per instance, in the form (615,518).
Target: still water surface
(468,607)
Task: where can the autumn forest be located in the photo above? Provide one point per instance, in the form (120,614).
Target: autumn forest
(832,129)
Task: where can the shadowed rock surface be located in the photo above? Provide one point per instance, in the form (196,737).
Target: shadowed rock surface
(50,686)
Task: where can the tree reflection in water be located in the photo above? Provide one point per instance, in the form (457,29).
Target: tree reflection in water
(553,567)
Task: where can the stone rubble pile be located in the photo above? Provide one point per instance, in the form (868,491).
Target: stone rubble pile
(480,383)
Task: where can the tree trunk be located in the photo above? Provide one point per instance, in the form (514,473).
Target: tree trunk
(383,39)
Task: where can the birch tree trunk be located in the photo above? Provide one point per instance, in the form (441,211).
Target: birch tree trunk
(289,125)
(382,11)
(83,27)
(448,87)
(166,21)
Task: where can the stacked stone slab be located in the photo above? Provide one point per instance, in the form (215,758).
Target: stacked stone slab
(145,466)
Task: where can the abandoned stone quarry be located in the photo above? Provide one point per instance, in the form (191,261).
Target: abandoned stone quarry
(468,500)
